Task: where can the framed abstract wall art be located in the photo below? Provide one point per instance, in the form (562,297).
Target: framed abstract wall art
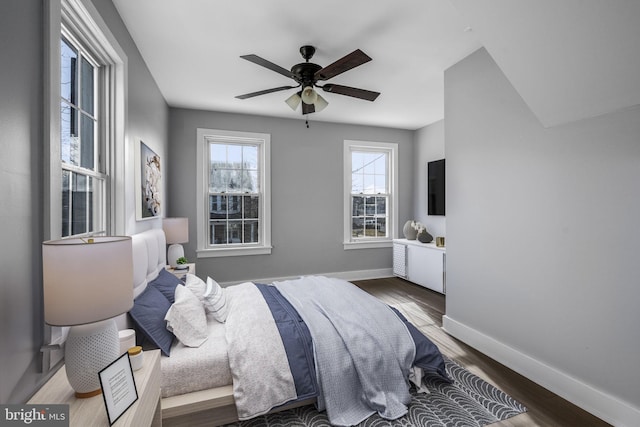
(148,183)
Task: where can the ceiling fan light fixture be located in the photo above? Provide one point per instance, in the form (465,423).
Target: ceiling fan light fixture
(309,95)
(293,101)
(320,104)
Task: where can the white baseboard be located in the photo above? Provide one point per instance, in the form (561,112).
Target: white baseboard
(604,406)
(345,275)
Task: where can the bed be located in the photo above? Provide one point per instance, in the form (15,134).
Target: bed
(269,347)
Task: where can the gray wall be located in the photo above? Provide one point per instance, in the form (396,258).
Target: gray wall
(542,256)
(21,186)
(429,146)
(21,218)
(306,185)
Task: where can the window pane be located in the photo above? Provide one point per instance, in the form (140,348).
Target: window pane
(369,184)
(380,184)
(370,206)
(250,157)
(87,142)
(218,232)
(235,231)
(357,227)
(251,232)
(86,88)
(81,204)
(381,205)
(250,182)
(369,163)
(234,184)
(234,207)
(68,135)
(251,206)
(217,207)
(381,165)
(358,206)
(66,203)
(234,156)
(68,59)
(382,227)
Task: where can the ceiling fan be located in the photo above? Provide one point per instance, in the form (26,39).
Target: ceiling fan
(307,75)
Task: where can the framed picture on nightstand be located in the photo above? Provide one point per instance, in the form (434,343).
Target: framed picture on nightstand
(118,387)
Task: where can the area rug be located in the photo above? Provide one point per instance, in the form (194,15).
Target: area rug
(468,402)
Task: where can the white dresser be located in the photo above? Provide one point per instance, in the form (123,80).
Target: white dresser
(420,263)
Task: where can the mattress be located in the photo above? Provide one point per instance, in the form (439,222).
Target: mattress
(193,369)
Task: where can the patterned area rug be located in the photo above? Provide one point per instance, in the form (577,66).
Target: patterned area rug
(468,402)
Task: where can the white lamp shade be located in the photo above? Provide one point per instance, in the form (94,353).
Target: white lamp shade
(309,96)
(176,230)
(320,104)
(86,282)
(293,101)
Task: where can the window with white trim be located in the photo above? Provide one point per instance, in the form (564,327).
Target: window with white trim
(234,202)
(84,174)
(86,110)
(370,178)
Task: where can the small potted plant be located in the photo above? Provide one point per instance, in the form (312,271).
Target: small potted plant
(181,263)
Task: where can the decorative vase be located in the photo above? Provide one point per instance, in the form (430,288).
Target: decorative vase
(409,232)
(424,237)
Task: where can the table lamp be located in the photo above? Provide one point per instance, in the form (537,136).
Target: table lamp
(176,231)
(87,282)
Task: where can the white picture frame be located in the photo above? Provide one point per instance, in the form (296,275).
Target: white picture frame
(118,387)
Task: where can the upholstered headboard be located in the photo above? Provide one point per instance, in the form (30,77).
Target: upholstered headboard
(149,257)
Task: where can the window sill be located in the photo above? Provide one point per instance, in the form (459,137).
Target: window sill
(239,251)
(370,244)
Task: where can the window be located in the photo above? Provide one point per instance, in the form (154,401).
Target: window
(83,173)
(86,109)
(234,209)
(370,189)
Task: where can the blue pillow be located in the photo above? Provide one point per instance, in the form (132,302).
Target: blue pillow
(166,283)
(148,314)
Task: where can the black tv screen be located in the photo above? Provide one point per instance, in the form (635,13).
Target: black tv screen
(435,190)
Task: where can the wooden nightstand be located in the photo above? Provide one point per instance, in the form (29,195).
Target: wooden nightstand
(180,273)
(146,411)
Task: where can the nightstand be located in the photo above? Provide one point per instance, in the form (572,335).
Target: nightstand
(180,273)
(146,411)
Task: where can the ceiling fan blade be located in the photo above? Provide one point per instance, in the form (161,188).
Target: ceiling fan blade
(308,108)
(264,92)
(352,60)
(267,64)
(351,91)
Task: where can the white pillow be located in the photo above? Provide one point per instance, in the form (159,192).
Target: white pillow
(195,285)
(215,301)
(187,319)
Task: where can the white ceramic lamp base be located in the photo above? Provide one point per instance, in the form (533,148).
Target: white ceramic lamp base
(88,350)
(174,252)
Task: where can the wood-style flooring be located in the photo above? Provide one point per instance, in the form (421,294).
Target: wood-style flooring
(425,308)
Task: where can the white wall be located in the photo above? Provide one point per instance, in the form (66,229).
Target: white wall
(542,243)
(429,146)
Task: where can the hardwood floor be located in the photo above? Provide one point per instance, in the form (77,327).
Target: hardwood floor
(425,308)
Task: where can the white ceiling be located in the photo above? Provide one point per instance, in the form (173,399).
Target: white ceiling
(193,48)
(568,59)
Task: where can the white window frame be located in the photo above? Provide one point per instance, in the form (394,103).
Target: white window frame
(391,149)
(80,18)
(263,140)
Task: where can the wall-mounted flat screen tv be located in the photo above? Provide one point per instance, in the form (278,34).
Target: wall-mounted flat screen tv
(435,190)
